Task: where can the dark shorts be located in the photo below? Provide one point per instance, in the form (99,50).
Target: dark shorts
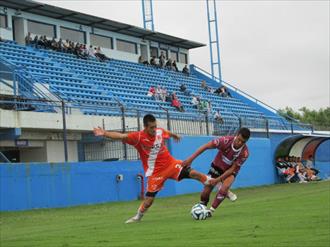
(215,172)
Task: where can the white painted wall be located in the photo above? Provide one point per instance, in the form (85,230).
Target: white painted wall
(55,151)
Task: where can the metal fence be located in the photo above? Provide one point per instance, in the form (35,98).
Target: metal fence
(125,120)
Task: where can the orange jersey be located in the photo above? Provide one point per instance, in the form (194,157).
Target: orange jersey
(153,152)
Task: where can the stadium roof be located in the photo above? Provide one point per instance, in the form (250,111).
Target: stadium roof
(97,22)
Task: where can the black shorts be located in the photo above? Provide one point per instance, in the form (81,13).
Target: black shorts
(215,172)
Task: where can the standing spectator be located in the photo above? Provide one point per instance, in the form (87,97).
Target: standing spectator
(158,93)
(54,44)
(60,45)
(28,39)
(162,60)
(183,89)
(91,52)
(174,66)
(168,64)
(185,70)
(41,43)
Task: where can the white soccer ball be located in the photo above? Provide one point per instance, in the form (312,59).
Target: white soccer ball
(199,212)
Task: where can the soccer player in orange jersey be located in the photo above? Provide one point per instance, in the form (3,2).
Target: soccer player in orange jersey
(158,164)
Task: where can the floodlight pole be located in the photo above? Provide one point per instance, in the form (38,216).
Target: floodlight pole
(148,14)
(214,40)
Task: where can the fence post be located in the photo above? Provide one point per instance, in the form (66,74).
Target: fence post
(138,120)
(291,127)
(267,128)
(312,128)
(64,132)
(123,128)
(207,124)
(168,120)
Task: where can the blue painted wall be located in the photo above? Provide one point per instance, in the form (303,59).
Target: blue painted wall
(322,159)
(28,186)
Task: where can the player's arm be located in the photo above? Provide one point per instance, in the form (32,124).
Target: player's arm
(209,145)
(176,137)
(110,134)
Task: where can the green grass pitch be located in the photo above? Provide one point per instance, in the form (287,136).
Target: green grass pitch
(285,215)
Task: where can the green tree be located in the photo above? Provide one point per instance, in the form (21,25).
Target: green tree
(319,118)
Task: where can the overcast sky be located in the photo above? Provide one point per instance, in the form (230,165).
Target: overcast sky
(277,51)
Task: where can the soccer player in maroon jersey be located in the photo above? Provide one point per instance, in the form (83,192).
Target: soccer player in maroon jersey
(231,155)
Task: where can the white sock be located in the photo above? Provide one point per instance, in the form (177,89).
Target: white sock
(212,209)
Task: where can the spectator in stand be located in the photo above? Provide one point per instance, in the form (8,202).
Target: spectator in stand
(183,89)
(158,93)
(142,61)
(176,103)
(203,85)
(153,61)
(28,39)
(53,44)
(174,66)
(217,117)
(222,91)
(71,47)
(46,42)
(66,45)
(209,107)
(35,41)
(168,64)
(41,43)
(162,60)
(60,45)
(185,70)
(100,55)
(91,52)
(195,101)
(163,93)
(151,92)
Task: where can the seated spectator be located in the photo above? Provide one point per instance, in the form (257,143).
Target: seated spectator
(35,41)
(100,55)
(183,89)
(176,103)
(222,91)
(153,61)
(217,117)
(28,39)
(174,66)
(91,52)
(40,42)
(203,85)
(185,70)
(163,94)
(46,42)
(54,44)
(151,92)
(60,45)
(142,61)
(162,60)
(195,101)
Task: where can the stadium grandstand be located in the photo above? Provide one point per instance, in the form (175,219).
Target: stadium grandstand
(51,97)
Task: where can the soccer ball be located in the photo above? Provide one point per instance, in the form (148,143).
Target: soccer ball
(199,212)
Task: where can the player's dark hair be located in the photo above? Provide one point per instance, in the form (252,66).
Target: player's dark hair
(149,118)
(244,132)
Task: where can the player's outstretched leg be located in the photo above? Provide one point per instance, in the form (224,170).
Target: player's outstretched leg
(187,172)
(142,209)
